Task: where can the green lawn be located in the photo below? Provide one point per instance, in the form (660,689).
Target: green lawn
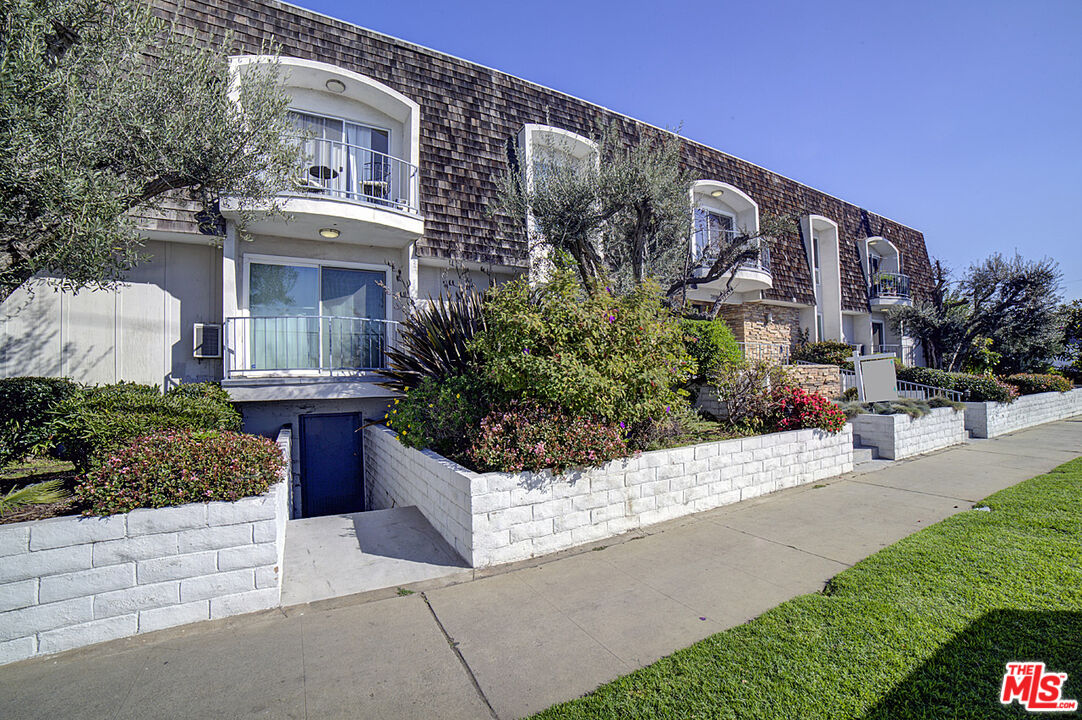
(921,629)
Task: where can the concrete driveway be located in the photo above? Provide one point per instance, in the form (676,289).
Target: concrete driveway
(518,640)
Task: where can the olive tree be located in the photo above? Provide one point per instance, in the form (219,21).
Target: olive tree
(619,218)
(106,113)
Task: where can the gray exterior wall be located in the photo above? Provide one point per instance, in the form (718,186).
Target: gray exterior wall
(140,332)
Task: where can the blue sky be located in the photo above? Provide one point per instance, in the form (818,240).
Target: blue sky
(961,119)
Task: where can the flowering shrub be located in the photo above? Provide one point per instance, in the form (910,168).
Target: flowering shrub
(620,358)
(747,392)
(443,415)
(797,408)
(174,468)
(1030,384)
(530,436)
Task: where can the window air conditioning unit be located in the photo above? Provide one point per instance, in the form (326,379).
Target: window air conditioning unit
(208,340)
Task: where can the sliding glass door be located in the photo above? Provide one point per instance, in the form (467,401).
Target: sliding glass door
(314,318)
(353,305)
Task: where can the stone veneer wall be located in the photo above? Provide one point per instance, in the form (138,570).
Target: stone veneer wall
(749,323)
(989,419)
(72,581)
(492,518)
(823,379)
(900,436)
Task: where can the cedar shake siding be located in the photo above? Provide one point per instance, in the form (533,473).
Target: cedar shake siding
(470,116)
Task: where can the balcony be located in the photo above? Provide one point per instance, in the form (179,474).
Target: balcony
(750,275)
(369,197)
(889,289)
(306,346)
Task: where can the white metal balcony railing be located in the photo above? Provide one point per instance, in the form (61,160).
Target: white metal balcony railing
(312,343)
(354,173)
(708,238)
(890,285)
(777,353)
(906,389)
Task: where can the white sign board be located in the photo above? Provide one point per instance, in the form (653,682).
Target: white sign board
(876,379)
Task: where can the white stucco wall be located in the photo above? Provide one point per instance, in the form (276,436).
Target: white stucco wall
(140,332)
(493,518)
(900,436)
(989,419)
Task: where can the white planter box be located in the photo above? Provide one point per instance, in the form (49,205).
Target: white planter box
(989,419)
(71,581)
(493,518)
(900,436)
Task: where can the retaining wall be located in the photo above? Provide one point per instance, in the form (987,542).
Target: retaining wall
(492,518)
(989,419)
(72,581)
(901,436)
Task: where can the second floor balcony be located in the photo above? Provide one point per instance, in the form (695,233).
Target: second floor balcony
(346,192)
(752,273)
(889,289)
(356,174)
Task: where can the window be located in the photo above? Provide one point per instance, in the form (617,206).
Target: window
(815,260)
(343,158)
(712,229)
(308,317)
(819,327)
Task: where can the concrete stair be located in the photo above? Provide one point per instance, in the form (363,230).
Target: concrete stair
(862,452)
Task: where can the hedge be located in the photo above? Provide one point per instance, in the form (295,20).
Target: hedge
(1031,384)
(96,420)
(974,388)
(826,352)
(25,405)
(711,345)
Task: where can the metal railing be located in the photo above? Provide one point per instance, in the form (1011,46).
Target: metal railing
(707,240)
(351,172)
(906,389)
(321,343)
(767,352)
(890,285)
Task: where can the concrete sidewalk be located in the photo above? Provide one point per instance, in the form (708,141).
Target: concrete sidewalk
(515,642)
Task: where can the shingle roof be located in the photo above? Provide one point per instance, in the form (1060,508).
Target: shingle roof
(469,114)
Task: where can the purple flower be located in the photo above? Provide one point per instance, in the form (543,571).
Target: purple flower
(667,409)
(526,351)
(622,426)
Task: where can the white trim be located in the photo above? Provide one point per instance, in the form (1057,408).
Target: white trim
(705,187)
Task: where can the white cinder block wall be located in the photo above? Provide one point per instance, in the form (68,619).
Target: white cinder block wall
(72,581)
(989,419)
(494,518)
(900,436)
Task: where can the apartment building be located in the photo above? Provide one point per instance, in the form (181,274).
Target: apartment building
(402,148)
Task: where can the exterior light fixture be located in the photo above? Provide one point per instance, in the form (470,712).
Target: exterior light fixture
(336,86)
(717,193)
(329,233)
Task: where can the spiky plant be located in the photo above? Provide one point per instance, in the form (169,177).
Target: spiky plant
(40,493)
(434,341)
